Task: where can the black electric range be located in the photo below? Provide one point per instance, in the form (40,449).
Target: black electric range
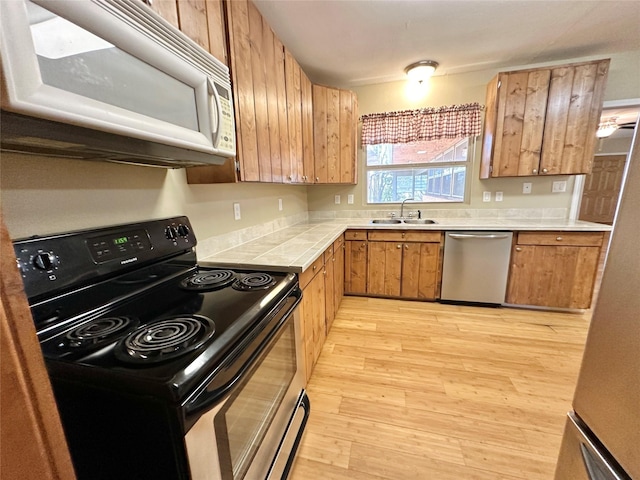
(129,322)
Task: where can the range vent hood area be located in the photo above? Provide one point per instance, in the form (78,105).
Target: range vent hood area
(37,136)
(110,80)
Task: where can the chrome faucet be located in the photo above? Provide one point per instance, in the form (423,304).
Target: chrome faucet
(402,207)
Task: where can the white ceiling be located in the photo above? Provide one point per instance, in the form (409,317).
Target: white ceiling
(347,43)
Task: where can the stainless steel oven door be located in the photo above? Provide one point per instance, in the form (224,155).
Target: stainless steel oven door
(253,431)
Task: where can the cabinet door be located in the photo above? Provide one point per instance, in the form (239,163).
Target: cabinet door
(313,319)
(574,106)
(334,115)
(306,111)
(385,268)
(522,101)
(420,270)
(355,265)
(338,272)
(167,9)
(329,292)
(294,116)
(192,15)
(553,276)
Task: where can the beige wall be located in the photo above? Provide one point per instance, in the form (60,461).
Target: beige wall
(623,82)
(42,195)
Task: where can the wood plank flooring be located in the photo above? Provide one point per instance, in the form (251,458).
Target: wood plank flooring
(413,390)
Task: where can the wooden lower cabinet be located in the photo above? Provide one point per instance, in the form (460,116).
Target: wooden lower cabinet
(554,269)
(421,270)
(355,262)
(384,268)
(404,264)
(322,291)
(338,274)
(312,313)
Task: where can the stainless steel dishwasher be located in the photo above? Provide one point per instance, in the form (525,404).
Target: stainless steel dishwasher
(476,265)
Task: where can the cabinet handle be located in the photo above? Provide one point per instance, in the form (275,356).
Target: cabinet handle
(398,246)
(406,247)
(404,234)
(314,268)
(535,170)
(518,249)
(559,239)
(544,170)
(318,179)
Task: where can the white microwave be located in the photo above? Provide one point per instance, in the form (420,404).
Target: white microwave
(110,80)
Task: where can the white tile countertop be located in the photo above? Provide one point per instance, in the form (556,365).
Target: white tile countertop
(296,247)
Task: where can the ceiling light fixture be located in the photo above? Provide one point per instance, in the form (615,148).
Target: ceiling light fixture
(606,128)
(421,71)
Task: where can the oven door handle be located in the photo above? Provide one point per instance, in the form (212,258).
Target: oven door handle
(248,352)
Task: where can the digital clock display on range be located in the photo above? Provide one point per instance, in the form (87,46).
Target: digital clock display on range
(120,246)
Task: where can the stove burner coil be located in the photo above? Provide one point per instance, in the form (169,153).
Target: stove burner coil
(98,331)
(254,281)
(165,339)
(209,280)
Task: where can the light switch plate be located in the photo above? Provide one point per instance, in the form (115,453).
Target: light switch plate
(498,196)
(337,199)
(526,187)
(350,199)
(280,204)
(486,196)
(236,211)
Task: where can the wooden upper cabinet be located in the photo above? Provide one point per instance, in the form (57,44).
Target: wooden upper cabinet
(293,95)
(543,121)
(167,9)
(217,31)
(335,127)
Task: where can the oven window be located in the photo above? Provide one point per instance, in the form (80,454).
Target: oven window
(252,410)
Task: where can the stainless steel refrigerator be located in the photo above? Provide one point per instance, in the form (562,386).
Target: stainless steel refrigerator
(602,435)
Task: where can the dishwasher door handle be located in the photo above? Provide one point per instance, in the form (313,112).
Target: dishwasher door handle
(483,236)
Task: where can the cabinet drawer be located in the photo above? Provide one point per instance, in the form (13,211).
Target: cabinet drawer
(355,235)
(587,239)
(339,243)
(405,236)
(309,273)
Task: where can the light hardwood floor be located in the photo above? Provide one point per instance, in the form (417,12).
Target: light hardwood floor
(413,390)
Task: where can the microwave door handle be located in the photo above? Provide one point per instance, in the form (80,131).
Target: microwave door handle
(214,109)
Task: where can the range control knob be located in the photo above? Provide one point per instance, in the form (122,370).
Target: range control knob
(183,230)
(44,261)
(170,232)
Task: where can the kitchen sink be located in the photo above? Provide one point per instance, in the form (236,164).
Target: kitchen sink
(386,220)
(409,221)
(420,221)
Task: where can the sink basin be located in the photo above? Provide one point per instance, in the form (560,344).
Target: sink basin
(396,221)
(420,221)
(386,220)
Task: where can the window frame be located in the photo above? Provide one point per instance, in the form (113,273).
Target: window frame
(468,164)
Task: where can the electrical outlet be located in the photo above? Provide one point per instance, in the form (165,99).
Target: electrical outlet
(350,199)
(236,211)
(486,196)
(526,187)
(336,199)
(559,187)
(498,196)
(280,204)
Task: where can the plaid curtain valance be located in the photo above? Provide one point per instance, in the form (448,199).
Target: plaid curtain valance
(454,121)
